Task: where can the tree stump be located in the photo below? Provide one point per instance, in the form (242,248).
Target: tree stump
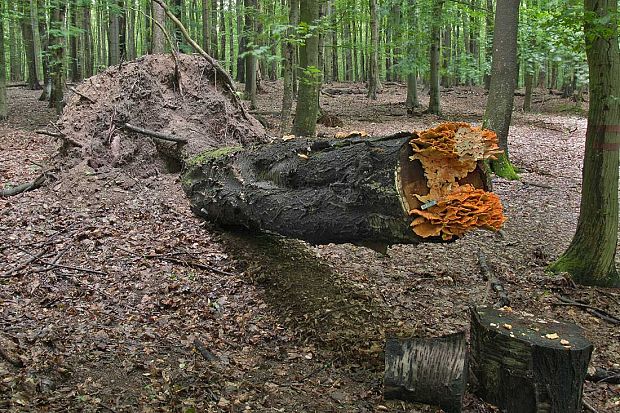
(431,371)
(524,364)
(359,190)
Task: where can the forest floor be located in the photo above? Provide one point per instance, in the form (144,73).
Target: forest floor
(134,304)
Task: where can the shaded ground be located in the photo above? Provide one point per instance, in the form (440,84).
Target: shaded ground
(159,312)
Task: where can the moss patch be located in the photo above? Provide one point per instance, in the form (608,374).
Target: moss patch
(205,156)
(503,168)
(583,273)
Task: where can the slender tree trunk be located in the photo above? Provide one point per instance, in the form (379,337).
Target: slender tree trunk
(250,58)
(242,42)
(45,58)
(397,39)
(14,48)
(373,74)
(122,31)
(29,44)
(231,39)
(488,47)
(131,32)
(446,50)
(310,77)
(213,24)
(590,257)
(57,59)
(412,101)
(89,61)
(4,109)
(498,113)
(74,68)
(222,34)
(206,29)
(348,62)
(335,69)
(434,105)
(114,50)
(289,59)
(355,46)
(529,85)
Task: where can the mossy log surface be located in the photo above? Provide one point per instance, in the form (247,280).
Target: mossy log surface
(317,190)
(524,364)
(431,371)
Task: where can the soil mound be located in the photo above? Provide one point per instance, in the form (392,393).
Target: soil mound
(190,103)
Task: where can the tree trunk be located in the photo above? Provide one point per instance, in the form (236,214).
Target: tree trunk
(242,42)
(446,50)
(373,75)
(89,58)
(348,56)
(590,257)
(309,76)
(498,113)
(289,59)
(529,85)
(114,50)
(430,371)
(4,110)
(318,190)
(56,62)
(206,29)
(29,44)
(334,63)
(222,34)
(250,58)
(213,25)
(525,366)
(45,58)
(14,48)
(412,101)
(488,47)
(434,106)
(74,67)
(131,33)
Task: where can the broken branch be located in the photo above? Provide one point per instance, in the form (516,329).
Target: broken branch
(495,285)
(597,312)
(154,134)
(28,186)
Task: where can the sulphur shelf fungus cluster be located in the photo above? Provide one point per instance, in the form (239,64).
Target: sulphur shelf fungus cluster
(448,154)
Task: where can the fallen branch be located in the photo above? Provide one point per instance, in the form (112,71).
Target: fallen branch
(17,269)
(587,406)
(59,135)
(599,375)
(495,285)
(66,267)
(154,134)
(198,265)
(29,186)
(77,92)
(597,312)
(206,354)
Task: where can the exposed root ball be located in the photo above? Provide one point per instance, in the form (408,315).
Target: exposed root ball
(148,93)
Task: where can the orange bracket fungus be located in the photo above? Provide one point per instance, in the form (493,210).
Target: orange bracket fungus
(451,204)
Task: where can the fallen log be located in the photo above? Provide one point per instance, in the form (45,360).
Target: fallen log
(525,364)
(431,371)
(403,188)
(28,186)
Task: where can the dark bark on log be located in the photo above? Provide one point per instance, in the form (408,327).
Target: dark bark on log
(431,371)
(523,365)
(318,190)
(598,375)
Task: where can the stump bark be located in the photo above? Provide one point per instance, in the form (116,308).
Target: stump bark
(431,371)
(357,190)
(524,364)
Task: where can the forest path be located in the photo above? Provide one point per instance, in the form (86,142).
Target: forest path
(174,318)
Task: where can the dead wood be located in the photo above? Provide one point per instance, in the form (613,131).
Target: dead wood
(153,134)
(494,284)
(599,375)
(523,363)
(343,91)
(59,135)
(29,186)
(77,92)
(202,349)
(32,258)
(431,371)
(597,312)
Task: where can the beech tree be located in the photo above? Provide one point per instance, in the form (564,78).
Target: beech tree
(590,257)
(498,113)
(3,99)
(310,76)
(434,105)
